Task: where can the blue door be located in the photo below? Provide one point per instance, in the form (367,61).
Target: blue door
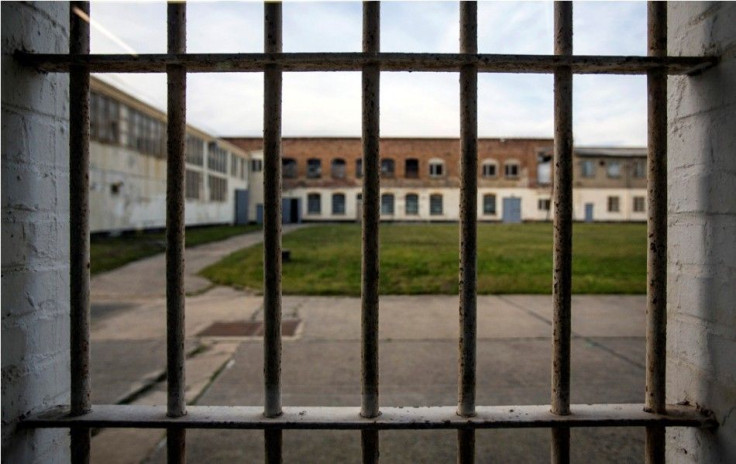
(589,212)
(512,210)
(259,214)
(241,207)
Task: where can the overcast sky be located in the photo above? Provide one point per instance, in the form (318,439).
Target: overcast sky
(608,110)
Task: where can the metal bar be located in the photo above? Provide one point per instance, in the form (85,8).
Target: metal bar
(656,230)
(272,215)
(79,252)
(414,62)
(468,230)
(369,406)
(175,169)
(272,229)
(562,255)
(391,418)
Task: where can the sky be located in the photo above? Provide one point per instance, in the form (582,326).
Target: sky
(607,110)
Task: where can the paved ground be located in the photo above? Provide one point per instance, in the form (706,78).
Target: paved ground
(321,366)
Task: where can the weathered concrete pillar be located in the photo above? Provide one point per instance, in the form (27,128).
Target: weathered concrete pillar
(35,232)
(702,231)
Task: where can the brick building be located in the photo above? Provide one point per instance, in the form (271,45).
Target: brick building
(420,179)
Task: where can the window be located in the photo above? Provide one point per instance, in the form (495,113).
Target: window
(195,150)
(217,158)
(387,167)
(337,168)
(411,168)
(314,168)
(511,169)
(193,184)
(435,204)
(256,165)
(640,169)
(288,168)
(359,168)
(314,203)
(338,203)
(490,168)
(436,168)
(489,204)
(639,204)
(243,168)
(387,203)
(587,168)
(218,188)
(613,205)
(613,169)
(543,204)
(104,118)
(412,204)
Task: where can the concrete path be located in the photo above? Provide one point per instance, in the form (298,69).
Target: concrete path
(321,366)
(146,278)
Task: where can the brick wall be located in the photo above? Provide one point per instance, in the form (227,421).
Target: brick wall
(702,231)
(35,234)
(524,151)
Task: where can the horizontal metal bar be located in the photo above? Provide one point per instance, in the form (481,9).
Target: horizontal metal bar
(436,62)
(349,418)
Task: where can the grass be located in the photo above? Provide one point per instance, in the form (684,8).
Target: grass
(108,253)
(423,259)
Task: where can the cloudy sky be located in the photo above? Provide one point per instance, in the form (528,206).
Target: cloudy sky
(608,110)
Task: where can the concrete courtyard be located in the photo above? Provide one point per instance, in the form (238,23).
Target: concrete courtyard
(321,366)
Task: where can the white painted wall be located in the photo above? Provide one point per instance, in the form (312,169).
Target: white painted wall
(701,331)
(140,201)
(35,232)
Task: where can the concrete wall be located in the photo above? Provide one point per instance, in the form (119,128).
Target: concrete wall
(702,231)
(35,234)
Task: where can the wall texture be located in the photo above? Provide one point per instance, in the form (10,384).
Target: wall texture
(35,234)
(702,231)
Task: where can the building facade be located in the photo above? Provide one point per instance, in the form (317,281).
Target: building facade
(128,168)
(420,180)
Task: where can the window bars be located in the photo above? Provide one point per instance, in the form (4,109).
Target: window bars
(369,418)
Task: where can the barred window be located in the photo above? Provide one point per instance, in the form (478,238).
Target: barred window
(639,204)
(359,168)
(387,167)
(256,165)
(387,203)
(489,204)
(435,204)
(217,158)
(511,169)
(314,203)
(436,168)
(193,184)
(412,204)
(587,168)
(104,118)
(289,168)
(314,168)
(613,169)
(490,168)
(543,204)
(640,169)
(195,150)
(338,203)
(218,188)
(337,168)
(613,204)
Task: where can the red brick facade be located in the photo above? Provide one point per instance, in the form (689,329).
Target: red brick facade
(447,150)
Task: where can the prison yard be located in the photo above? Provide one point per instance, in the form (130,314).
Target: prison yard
(423,259)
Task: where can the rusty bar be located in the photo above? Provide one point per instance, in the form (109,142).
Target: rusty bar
(272,215)
(371,213)
(272,229)
(391,418)
(325,62)
(656,230)
(468,230)
(79,254)
(175,296)
(371,76)
(562,255)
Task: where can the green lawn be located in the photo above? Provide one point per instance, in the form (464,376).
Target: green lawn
(108,253)
(423,258)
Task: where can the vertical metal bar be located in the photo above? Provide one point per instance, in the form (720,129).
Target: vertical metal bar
(272,229)
(562,256)
(175,333)
(79,229)
(468,228)
(656,230)
(371,219)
